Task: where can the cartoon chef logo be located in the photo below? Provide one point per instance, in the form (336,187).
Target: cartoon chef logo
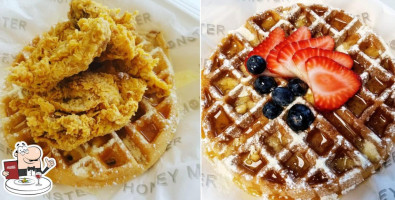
(25,175)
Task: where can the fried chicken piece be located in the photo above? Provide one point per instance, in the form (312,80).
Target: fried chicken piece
(122,50)
(143,66)
(150,67)
(122,42)
(81,107)
(62,52)
(146,67)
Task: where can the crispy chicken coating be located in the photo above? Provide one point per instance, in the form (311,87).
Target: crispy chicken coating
(146,67)
(81,107)
(65,50)
(122,42)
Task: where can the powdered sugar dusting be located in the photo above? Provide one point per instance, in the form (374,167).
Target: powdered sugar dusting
(245,33)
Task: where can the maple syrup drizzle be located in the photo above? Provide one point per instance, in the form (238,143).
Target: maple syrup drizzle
(113,157)
(274,177)
(377,86)
(372,47)
(317,178)
(379,122)
(338,20)
(251,166)
(207,99)
(217,62)
(71,157)
(341,163)
(344,129)
(148,130)
(267,21)
(164,111)
(357,105)
(319,142)
(297,165)
(320,11)
(220,121)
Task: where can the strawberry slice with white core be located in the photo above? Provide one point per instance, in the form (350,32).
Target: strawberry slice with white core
(332,84)
(303,33)
(300,57)
(286,53)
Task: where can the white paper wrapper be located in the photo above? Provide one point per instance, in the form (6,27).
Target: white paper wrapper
(221,16)
(176,174)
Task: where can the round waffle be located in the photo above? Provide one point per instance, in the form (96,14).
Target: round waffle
(118,156)
(339,150)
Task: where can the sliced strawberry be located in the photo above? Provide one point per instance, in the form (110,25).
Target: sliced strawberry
(300,57)
(274,66)
(332,84)
(303,33)
(286,53)
(263,49)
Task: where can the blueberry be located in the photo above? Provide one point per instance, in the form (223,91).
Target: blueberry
(264,84)
(256,64)
(271,110)
(282,96)
(299,117)
(298,87)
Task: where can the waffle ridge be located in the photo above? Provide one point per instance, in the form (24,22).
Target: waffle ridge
(338,151)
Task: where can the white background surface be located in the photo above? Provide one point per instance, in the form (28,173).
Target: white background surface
(229,15)
(390,3)
(176,174)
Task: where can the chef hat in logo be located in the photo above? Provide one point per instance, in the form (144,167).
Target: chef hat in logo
(21,147)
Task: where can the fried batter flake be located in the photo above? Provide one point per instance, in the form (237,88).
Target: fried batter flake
(81,107)
(62,52)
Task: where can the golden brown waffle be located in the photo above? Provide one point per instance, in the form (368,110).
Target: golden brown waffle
(118,156)
(337,152)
